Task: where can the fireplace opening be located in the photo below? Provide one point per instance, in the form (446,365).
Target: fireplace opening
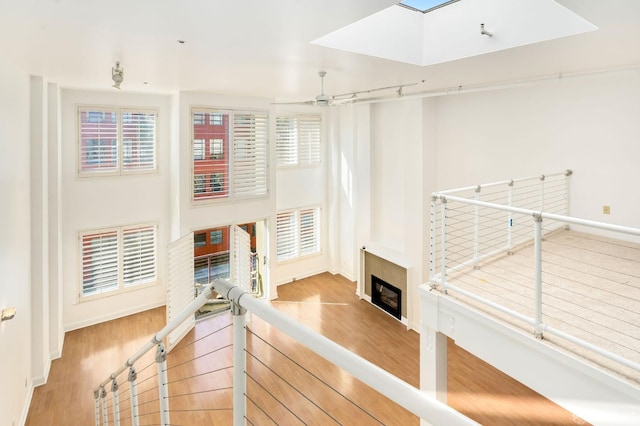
(386,296)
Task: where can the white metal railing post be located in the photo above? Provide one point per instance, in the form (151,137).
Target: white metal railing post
(542,179)
(116,402)
(96,406)
(239,364)
(476,228)
(432,241)
(105,413)
(443,243)
(537,256)
(567,174)
(163,385)
(510,219)
(133,390)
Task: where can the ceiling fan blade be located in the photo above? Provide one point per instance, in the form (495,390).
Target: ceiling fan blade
(294,103)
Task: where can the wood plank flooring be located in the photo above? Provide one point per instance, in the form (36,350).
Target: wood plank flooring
(325,303)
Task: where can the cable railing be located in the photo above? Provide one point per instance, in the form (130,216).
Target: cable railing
(507,248)
(227,372)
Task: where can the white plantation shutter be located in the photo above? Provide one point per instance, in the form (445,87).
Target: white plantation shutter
(287,235)
(309,231)
(241,249)
(250,136)
(297,233)
(116,141)
(115,259)
(286,141)
(309,139)
(139,255)
(99,262)
(98,140)
(298,140)
(180,288)
(138,140)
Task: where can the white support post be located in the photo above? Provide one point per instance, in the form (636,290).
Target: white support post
(537,256)
(476,229)
(105,412)
(163,385)
(96,406)
(239,364)
(116,402)
(567,175)
(510,219)
(443,244)
(133,390)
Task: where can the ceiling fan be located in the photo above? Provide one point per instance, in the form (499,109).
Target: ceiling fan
(346,98)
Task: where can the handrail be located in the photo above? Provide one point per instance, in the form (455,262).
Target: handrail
(504,182)
(392,387)
(535,213)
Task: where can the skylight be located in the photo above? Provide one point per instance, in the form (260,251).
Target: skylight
(425,6)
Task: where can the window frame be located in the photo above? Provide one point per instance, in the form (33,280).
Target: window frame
(121,270)
(120,168)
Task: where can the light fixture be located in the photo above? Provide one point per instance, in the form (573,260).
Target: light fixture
(117,75)
(8,314)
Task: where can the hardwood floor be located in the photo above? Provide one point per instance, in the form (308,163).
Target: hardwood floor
(325,303)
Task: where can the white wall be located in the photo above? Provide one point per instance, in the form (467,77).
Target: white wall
(15,247)
(587,124)
(93,203)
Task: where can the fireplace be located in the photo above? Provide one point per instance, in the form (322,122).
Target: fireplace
(386,296)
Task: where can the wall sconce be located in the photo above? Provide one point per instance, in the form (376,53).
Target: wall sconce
(8,314)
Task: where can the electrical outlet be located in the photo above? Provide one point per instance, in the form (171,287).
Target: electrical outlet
(606,209)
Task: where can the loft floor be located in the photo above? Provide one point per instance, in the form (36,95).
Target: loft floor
(590,289)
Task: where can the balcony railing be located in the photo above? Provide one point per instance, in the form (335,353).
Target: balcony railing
(482,227)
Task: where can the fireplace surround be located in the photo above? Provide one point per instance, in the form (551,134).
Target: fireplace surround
(387,268)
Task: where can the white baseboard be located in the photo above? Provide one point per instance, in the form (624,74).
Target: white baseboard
(113,315)
(27,404)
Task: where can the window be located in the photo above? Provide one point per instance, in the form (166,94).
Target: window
(198,149)
(238,143)
(216,119)
(216,148)
(298,140)
(216,236)
(217,182)
(116,141)
(297,233)
(116,259)
(199,240)
(199,184)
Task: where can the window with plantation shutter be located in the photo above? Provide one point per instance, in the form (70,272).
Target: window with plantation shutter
(139,255)
(230,154)
(297,233)
(286,236)
(99,262)
(250,170)
(298,140)
(115,259)
(116,141)
(309,231)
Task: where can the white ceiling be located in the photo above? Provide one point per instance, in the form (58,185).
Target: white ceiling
(263,48)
